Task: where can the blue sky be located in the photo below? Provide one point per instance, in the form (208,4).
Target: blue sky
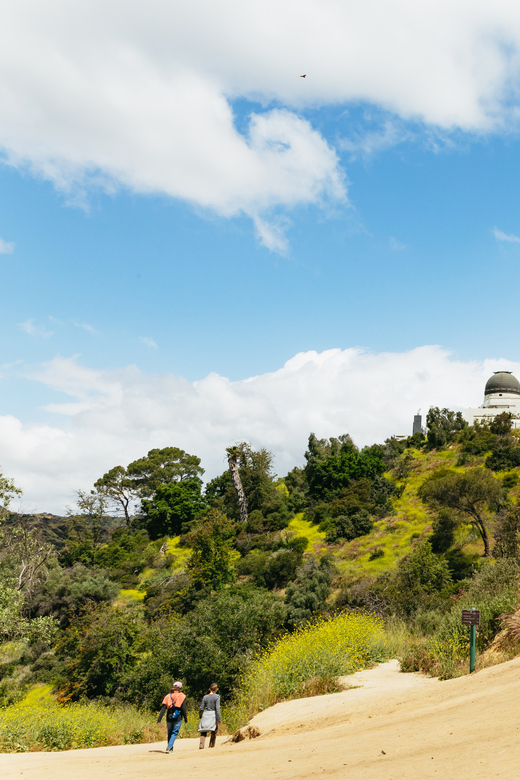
(170,212)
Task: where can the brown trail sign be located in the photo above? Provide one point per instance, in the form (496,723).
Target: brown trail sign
(471,617)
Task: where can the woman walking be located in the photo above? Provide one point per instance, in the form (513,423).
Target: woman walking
(209,712)
(174,704)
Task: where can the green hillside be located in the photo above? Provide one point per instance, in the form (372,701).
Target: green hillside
(199,580)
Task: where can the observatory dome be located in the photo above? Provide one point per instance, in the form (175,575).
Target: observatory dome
(502,382)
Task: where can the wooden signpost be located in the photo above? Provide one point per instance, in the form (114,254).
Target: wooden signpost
(471,617)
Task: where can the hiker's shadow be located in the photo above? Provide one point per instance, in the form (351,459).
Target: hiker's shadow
(157,751)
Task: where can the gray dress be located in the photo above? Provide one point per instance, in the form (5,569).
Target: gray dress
(209,712)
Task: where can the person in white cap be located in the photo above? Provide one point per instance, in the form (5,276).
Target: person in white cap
(174,705)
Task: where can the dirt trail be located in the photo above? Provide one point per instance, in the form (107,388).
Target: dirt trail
(362,700)
(395,727)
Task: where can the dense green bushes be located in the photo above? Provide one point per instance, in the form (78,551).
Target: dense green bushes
(307,595)
(332,466)
(98,649)
(445,652)
(67,591)
(173,508)
(215,641)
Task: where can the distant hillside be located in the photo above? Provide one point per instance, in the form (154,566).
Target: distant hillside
(373,553)
(53,528)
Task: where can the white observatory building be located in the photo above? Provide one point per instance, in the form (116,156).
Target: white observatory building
(502,394)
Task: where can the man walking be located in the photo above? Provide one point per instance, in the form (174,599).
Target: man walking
(174,705)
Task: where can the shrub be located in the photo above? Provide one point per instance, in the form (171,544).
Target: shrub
(347,527)
(382,489)
(68,590)
(312,657)
(504,455)
(493,590)
(417,658)
(97,649)
(444,526)
(173,508)
(211,562)
(477,439)
(39,723)
(280,568)
(443,426)
(308,596)
(215,641)
(421,580)
(507,533)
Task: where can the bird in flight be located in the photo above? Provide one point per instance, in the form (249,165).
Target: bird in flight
(302,77)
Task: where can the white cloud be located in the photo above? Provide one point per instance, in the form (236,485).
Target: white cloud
(511,238)
(87,327)
(395,245)
(367,142)
(113,417)
(148,342)
(35,330)
(141,96)
(6,247)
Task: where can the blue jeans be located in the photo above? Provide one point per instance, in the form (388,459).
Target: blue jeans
(173,727)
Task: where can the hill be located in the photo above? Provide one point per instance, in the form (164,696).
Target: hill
(194,588)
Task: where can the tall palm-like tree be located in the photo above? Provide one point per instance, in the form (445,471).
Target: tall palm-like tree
(233,454)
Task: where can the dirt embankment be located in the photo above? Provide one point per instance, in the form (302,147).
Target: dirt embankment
(393,727)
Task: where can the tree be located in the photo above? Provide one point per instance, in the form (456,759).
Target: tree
(161,467)
(173,508)
(331,466)
(87,528)
(23,565)
(501,424)
(243,620)
(507,534)
(308,595)
(119,488)
(505,453)
(470,494)
(444,526)
(258,479)
(420,578)
(7,492)
(211,561)
(98,649)
(15,625)
(297,485)
(249,488)
(443,426)
(318,452)
(24,556)
(215,641)
(218,489)
(67,592)
(233,454)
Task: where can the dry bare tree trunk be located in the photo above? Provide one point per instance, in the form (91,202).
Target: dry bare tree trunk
(233,454)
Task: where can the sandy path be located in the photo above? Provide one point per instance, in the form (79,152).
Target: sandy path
(383,681)
(454,730)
